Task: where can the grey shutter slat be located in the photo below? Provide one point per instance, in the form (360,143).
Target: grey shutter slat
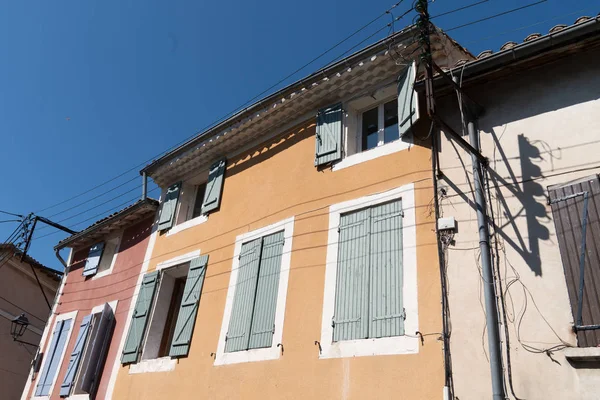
(328,141)
(59,340)
(214,186)
(386,273)
(169,205)
(82,335)
(350,320)
(408,104)
(43,387)
(265,303)
(93,259)
(238,332)
(98,349)
(140,318)
(186,318)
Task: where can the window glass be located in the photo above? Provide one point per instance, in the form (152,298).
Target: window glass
(198,201)
(370,129)
(390,121)
(174,307)
(110,250)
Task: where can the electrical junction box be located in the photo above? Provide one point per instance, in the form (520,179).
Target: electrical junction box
(446,224)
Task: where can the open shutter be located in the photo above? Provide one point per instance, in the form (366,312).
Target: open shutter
(97,350)
(238,332)
(169,205)
(93,259)
(214,186)
(57,345)
(265,304)
(329,135)
(140,318)
(189,307)
(408,104)
(84,330)
(386,305)
(350,319)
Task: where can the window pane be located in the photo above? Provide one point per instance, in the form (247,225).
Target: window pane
(174,307)
(390,121)
(199,199)
(369,129)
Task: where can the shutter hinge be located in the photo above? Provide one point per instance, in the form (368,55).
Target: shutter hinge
(404,313)
(333,322)
(402,213)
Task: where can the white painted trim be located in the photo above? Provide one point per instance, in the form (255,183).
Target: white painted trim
(31,382)
(117,363)
(162,364)
(187,224)
(382,346)
(98,309)
(376,152)
(178,260)
(62,317)
(109,270)
(273,352)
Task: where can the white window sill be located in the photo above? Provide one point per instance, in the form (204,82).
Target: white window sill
(101,274)
(270,353)
(370,347)
(163,364)
(379,151)
(78,397)
(583,354)
(188,224)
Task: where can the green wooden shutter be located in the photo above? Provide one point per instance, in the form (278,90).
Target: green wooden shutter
(408,104)
(140,317)
(186,319)
(352,282)
(98,350)
(386,305)
(82,335)
(214,186)
(169,205)
(57,345)
(265,303)
(238,332)
(93,259)
(328,146)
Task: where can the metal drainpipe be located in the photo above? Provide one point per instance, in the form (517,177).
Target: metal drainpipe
(144,185)
(491,307)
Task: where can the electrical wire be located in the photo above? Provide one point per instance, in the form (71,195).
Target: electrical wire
(13,214)
(459,9)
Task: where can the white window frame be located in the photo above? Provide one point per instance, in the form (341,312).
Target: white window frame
(273,352)
(62,317)
(185,215)
(109,270)
(406,344)
(160,364)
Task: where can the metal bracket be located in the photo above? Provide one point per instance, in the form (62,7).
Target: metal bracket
(466,145)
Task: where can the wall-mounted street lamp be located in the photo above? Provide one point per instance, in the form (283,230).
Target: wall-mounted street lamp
(18,326)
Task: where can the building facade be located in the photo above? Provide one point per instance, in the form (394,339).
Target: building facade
(83,337)
(294,253)
(21,294)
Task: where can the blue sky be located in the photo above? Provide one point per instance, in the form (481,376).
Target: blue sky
(89,90)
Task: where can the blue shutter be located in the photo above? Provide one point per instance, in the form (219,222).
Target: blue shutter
(82,336)
(97,350)
(214,186)
(139,319)
(265,303)
(238,332)
(169,205)
(408,104)
(386,305)
(186,318)
(328,146)
(350,320)
(93,259)
(57,344)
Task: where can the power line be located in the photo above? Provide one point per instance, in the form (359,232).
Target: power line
(9,220)
(459,9)
(496,15)
(13,214)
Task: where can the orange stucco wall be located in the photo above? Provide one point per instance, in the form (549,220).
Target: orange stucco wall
(274,181)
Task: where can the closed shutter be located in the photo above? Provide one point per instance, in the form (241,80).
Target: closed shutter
(93,259)
(140,318)
(186,318)
(408,104)
(386,306)
(238,332)
(82,335)
(214,186)
(329,135)
(169,205)
(97,350)
(352,283)
(265,303)
(57,345)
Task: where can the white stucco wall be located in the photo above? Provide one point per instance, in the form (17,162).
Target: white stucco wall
(541,127)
